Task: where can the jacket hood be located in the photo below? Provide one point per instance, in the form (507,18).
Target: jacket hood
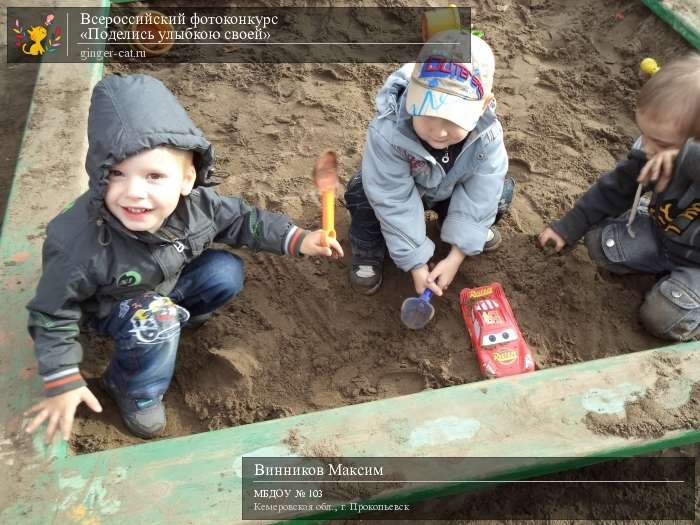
(390,96)
(129,114)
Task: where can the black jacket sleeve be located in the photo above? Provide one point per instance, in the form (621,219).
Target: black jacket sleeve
(240,224)
(610,196)
(54,314)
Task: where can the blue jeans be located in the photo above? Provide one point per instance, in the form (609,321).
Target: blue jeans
(366,239)
(146,329)
(671,308)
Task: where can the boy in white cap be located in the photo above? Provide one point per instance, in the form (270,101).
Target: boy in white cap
(434,143)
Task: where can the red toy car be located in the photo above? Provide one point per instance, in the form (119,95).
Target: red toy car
(496,338)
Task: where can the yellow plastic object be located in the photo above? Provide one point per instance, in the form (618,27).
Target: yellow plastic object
(326,179)
(649,66)
(156,27)
(438,20)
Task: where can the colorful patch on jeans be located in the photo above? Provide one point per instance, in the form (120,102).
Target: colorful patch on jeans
(124,308)
(158,322)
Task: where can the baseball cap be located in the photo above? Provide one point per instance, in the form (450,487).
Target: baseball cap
(452,78)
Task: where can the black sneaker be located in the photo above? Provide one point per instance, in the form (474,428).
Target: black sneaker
(196,321)
(145,418)
(493,239)
(366,278)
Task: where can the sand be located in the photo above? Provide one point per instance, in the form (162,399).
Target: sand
(297,339)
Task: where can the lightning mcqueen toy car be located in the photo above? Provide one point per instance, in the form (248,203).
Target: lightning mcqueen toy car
(495,335)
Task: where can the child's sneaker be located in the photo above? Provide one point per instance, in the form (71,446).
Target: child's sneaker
(493,239)
(366,278)
(143,417)
(196,321)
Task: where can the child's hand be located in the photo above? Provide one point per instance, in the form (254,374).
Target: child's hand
(420,280)
(60,410)
(445,271)
(550,235)
(659,169)
(311,245)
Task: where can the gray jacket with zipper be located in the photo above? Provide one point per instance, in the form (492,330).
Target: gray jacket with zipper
(91,261)
(398,174)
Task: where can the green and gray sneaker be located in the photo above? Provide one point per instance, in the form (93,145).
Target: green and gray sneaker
(145,418)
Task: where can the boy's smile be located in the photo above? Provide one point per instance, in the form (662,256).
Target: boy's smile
(144,189)
(137,214)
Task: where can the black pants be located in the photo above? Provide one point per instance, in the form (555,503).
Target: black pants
(366,239)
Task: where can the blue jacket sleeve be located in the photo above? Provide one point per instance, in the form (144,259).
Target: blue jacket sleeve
(474,201)
(392,192)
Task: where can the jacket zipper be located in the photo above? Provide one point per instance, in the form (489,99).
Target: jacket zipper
(401,234)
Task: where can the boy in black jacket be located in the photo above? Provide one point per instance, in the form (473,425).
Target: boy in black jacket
(129,257)
(663,239)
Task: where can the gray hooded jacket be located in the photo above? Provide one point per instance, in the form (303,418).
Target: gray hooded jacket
(91,261)
(398,174)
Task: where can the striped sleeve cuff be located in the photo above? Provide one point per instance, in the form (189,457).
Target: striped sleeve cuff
(62,381)
(293,240)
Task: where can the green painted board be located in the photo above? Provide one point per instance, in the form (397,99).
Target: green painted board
(682,15)
(197,478)
(57,122)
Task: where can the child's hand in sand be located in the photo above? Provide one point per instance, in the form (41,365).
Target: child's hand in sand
(549,235)
(659,170)
(445,271)
(311,245)
(420,280)
(60,411)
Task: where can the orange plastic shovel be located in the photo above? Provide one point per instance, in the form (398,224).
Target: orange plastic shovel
(326,179)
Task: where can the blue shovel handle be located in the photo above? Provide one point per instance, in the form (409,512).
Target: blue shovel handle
(426,296)
(416,312)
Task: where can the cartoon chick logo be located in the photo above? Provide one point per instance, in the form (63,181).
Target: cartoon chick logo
(30,39)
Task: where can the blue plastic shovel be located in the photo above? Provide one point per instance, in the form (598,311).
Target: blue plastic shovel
(416,312)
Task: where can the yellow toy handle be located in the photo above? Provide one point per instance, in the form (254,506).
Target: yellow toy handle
(438,20)
(328,216)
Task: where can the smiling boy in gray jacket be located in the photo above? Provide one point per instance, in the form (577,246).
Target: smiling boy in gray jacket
(130,258)
(435,143)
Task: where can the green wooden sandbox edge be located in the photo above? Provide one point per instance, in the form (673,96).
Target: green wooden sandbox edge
(681,24)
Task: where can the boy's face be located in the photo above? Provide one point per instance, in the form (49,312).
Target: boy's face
(658,134)
(438,132)
(145,189)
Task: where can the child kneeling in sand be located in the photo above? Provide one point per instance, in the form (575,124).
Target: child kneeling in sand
(130,259)
(662,238)
(434,143)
